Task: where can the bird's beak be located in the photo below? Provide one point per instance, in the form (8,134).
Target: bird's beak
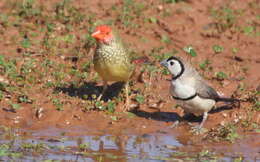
(95,34)
(164,63)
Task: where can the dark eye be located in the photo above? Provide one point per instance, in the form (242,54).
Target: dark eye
(172,63)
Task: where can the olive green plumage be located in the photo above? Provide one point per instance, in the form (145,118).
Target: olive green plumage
(112,61)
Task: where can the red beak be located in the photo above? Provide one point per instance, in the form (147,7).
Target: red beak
(95,34)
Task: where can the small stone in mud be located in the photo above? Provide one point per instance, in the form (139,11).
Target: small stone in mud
(77,117)
(9,110)
(39,113)
(171,147)
(53,140)
(159,7)
(239,59)
(146,135)
(236,120)
(134,106)
(4,80)
(17,119)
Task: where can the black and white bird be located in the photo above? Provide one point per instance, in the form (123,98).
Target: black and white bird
(190,90)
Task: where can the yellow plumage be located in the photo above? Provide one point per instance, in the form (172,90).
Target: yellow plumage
(112,72)
(111,60)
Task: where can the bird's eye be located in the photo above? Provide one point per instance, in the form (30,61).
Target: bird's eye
(171,63)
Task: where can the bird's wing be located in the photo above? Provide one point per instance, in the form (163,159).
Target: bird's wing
(194,79)
(205,91)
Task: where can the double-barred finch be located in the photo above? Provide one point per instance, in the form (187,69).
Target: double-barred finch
(111,60)
(190,90)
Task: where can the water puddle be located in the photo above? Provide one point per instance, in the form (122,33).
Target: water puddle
(56,144)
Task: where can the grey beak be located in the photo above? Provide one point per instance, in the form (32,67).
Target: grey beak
(164,63)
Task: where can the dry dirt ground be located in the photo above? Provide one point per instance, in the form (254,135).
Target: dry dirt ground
(47,78)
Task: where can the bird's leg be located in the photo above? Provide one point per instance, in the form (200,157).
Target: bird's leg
(186,116)
(175,124)
(205,116)
(199,129)
(103,90)
(127,102)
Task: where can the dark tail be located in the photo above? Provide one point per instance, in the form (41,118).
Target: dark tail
(223,99)
(233,101)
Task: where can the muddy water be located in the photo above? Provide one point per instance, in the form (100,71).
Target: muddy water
(61,144)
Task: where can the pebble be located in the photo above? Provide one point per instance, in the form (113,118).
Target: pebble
(236,120)
(159,7)
(3,80)
(39,113)
(222,123)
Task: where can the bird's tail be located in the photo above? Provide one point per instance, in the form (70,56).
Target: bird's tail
(229,100)
(224,99)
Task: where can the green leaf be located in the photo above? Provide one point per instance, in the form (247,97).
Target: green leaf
(111,106)
(218,48)
(248,30)
(15,106)
(114,118)
(190,50)
(166,39)
(221,75)
(153,20)
(26,43)
(140,99)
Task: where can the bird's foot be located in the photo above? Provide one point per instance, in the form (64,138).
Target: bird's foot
(197,130)
(100,97)
(126,107)
(175,124)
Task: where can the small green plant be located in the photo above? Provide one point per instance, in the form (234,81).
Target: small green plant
(229,133)
(111,106)
(114,118)
(248,30)
(235,50)
(84,146)
(204,64)
(8,67)
(5,150)
(165,39)
(24,99)
(15,106)
(58,104)
(218,48)
(99,105)
(1,95)
(153,20)
(25,43)
(38,147)
(221,75)
(140,98)
(190,50)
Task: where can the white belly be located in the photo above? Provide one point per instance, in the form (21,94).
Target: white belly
(197,105)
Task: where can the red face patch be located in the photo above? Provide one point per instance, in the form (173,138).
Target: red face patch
(102,33)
